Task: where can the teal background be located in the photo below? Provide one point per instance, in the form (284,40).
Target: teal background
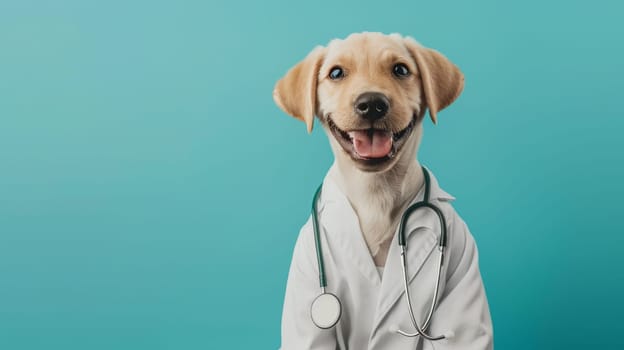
(151,192)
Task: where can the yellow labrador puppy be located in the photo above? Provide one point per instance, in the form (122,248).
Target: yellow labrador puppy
(370,93)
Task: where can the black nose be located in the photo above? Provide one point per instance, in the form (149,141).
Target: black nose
(371,105)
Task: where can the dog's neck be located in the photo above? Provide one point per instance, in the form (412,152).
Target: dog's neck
(379,199)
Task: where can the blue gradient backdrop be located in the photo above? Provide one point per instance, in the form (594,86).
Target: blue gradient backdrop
(151,192)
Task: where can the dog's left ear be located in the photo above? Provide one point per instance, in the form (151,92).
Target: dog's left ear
(442,81)
(295,93)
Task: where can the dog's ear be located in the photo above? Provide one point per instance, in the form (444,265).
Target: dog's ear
(442,81)
(295,93)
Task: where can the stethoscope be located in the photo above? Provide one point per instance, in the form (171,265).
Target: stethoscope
(326,308)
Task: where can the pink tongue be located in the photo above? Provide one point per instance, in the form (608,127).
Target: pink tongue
(375,145)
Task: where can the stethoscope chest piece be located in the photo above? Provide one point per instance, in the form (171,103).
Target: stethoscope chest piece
(325,310)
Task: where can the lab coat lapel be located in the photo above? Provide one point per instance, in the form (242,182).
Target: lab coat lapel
(344,227)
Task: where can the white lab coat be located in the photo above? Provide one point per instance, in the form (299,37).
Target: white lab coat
(373,308)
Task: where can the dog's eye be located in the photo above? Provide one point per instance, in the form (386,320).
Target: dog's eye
(336,73)
(400,70)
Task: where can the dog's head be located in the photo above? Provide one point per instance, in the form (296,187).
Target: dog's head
(370,92)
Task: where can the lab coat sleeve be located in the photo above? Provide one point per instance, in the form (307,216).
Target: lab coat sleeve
(298,330)
(463,311)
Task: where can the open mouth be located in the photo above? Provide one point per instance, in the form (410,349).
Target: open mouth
(371,146)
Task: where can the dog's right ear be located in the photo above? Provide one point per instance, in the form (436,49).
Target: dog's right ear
(442,81)
(295,93)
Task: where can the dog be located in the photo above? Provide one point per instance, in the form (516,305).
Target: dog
(370,92)
(381,88)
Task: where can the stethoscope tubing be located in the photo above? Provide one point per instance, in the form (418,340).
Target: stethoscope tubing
(421,331)
(317,241)
(403,244)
